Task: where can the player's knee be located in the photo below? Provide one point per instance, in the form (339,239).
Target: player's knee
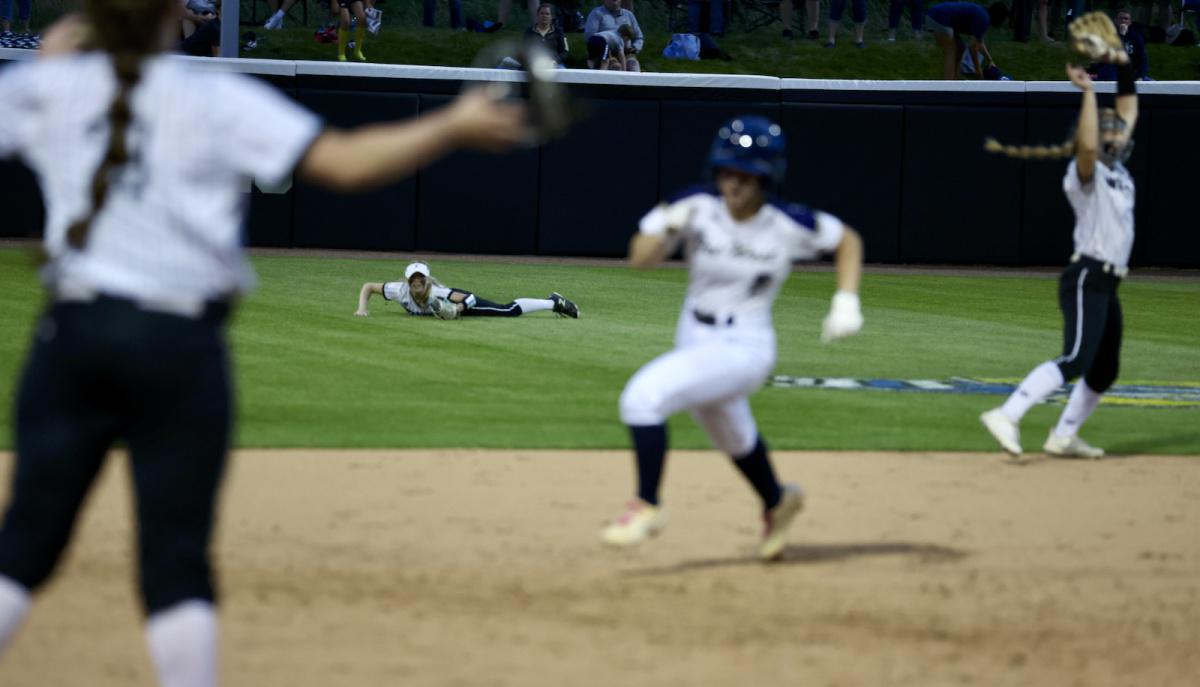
(736,443)
(1101,381)
(174,569)
(640,405)
(1075,367)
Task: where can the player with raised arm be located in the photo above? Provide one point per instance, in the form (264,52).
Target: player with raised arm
(419,293)
(143,161)
(1100,190)
(740,248)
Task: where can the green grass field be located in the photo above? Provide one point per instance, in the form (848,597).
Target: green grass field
(310,374)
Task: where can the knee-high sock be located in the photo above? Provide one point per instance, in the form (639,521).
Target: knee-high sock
(14,606)
(360,37)
(183,644)
(756,468)
(650,445)
(1039,384)
(1083,401)
(529,305)
(343,38)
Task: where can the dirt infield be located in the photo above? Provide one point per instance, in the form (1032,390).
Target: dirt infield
(470,567)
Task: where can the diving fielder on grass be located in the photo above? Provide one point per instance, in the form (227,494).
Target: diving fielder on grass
(1101,193)
(740,246)
(419,293)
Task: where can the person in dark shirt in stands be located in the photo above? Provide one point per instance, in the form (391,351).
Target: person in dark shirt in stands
(547,31)
(949,21)
(1135,47)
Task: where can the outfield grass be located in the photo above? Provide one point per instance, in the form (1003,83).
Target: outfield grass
(311,374)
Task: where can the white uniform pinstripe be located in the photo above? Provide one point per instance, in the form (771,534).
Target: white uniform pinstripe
(724,341)
(171,227)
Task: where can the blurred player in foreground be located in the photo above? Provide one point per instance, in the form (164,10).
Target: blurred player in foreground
(420,293)
(1100,190)
(740,246)
(142,163)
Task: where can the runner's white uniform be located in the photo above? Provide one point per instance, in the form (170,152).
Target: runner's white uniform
(724,341)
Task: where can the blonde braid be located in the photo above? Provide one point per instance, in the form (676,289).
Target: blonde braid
(128,30)
(1024,152)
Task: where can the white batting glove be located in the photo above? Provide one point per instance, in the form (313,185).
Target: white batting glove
(678,215)
(844,318)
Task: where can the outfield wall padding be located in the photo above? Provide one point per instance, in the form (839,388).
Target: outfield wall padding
(902,161)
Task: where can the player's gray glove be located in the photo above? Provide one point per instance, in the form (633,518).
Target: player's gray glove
(844,318)
(443,309)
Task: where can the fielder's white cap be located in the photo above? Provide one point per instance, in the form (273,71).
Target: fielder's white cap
(416,268)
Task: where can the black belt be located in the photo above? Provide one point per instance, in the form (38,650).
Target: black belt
(1118,271)
(213,311)
(710,319)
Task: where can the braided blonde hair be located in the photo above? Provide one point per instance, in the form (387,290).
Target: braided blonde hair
(1024,152)
(129,31)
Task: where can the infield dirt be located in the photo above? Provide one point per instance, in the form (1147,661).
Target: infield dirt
(466,567)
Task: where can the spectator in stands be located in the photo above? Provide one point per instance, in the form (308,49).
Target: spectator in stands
(195,14)
(204,40)
(1135,46)
(1022,15)
(813,11)
(858,12)
(1188,8)
(24,12)
(360,32)
(278,9)
(949,21)
(506,7)
(716,17)
(456,21)
(916,12)
(549,34)
(604,39)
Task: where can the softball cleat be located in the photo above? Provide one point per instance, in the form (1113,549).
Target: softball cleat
(639,522)
(1070,447)
(1004,430)
(777,520)
(564,307)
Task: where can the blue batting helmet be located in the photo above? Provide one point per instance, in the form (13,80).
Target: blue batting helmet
(750,144)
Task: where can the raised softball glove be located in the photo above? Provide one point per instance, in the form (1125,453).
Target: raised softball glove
(551,110)
(443,309)
(1094,37)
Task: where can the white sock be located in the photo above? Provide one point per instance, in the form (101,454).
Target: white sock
(278,14)
(14,606)
(183,644)
(529,305)
(1083,401)
(1040,383)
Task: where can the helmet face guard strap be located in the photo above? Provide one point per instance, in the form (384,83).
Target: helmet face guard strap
(750,144)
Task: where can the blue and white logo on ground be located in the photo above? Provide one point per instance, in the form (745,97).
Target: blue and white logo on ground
(1144,395)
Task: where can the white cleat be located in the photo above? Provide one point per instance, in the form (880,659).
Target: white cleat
(777,521)
(639,522)
(274,23)
(1070,447)
(1004,430)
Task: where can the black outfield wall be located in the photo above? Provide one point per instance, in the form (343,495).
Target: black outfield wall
(900,161)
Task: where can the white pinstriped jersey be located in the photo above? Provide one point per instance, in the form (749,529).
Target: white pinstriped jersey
(399,292)
(1103,212)
(172,221)
(737,268)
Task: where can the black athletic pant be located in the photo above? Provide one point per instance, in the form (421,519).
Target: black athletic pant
(106,371)
(1092,323)
(485,308)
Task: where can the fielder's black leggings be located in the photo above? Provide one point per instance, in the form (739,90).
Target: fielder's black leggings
(106,371)
(486,308)
(1092,324)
